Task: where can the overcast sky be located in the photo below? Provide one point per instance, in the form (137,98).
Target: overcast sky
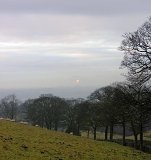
(53,43)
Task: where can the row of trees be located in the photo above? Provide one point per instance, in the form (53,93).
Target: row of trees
(125,105)
(120,104)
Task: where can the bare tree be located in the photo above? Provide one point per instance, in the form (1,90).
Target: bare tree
(46,111)
(137,50)
(9,106)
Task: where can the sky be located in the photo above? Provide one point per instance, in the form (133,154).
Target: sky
(65,44)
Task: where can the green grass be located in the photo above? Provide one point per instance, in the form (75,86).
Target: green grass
(22,142)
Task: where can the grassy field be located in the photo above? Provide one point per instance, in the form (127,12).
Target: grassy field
(22,142)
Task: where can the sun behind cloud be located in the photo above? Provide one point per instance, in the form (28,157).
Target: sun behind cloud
(77,81)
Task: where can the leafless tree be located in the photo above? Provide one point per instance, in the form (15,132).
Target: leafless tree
(9,106)
(137,50)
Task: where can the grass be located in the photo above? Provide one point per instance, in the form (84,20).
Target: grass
(22,142)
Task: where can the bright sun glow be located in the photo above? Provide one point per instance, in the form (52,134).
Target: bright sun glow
(77,81)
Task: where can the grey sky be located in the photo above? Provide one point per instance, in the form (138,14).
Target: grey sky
(52,43)
(76,7)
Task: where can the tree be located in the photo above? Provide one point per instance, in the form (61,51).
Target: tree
(104,97)
(95,118)
(37,111)
(23,109)
(140,110)
(137,50)
(9,106)
(73,115)
(58,110)
(122,100)
(46,111)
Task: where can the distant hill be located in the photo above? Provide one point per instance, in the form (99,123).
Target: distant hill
(65,92)
(23,142)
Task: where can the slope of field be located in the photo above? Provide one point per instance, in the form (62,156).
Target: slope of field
(22,142)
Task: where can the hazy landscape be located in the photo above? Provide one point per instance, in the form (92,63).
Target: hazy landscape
(75,80)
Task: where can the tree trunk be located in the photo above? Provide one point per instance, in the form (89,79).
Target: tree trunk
(56,126)
(78,130)
(47,124)
(136,140)
(106,133)
(111,132)
(94,132)
(50,125)
(123,124)
(88,133)
(12,113)
(135,135)
(141,136)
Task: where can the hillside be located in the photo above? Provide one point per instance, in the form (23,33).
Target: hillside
(22,142)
